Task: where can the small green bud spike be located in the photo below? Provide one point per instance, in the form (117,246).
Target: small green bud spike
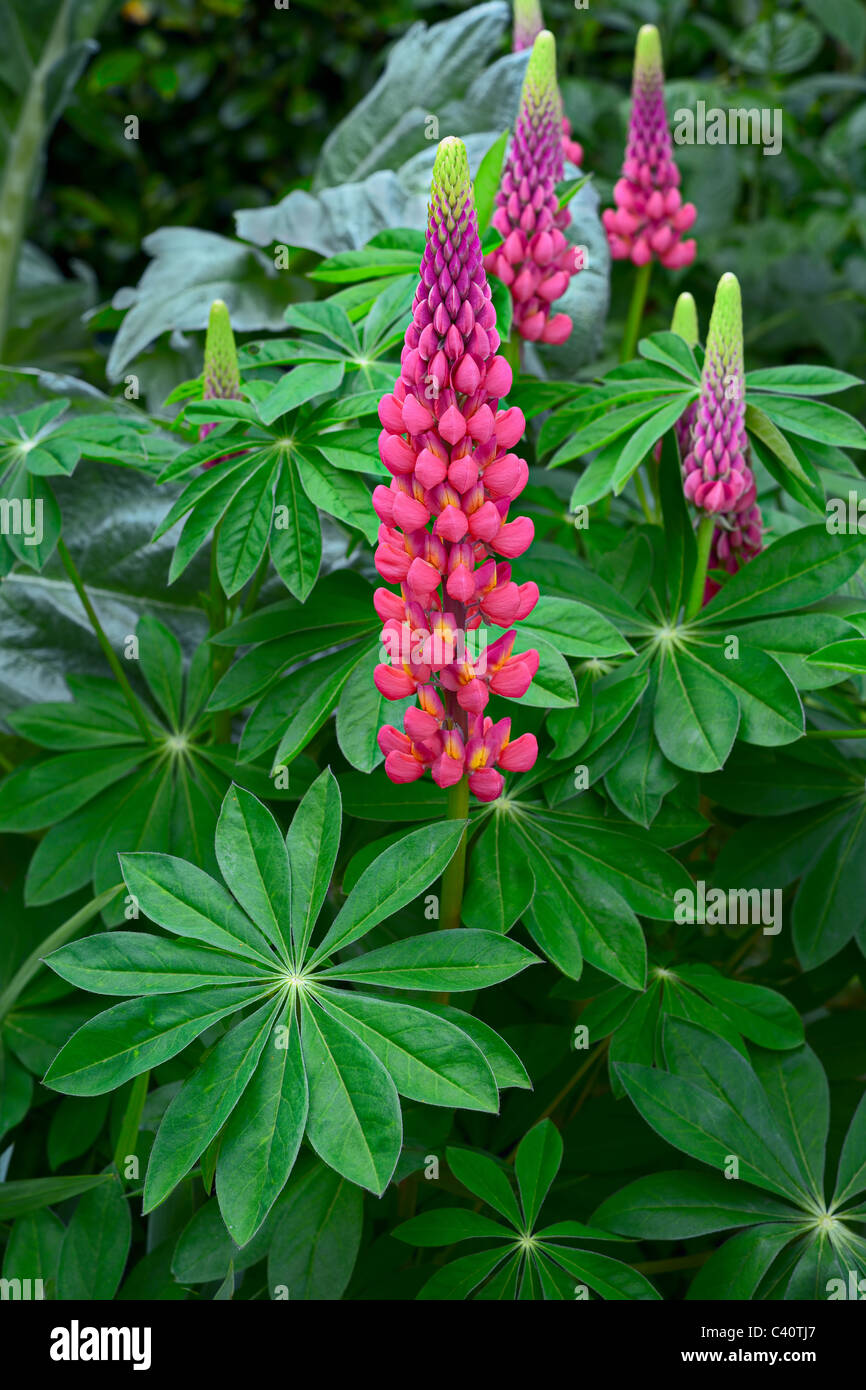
(685,319)
(648,54)
(540,96)
(451,191)
(222,379)
(725,335)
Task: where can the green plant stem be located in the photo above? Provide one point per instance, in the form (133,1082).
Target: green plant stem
(836,733)
(25,972)
(128,1135)
(222,719)
(111,656)
(699,578)
(455,873)
(642,497)
(635,312)
(23,154)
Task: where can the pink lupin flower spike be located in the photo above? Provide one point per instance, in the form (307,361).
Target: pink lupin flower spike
(535,259)
(447,441)
(650,216)
(717,478)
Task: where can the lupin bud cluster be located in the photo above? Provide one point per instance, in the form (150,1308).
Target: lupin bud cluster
(222,380)
(445,535)
(528,24)
(535,260)
(717,478)
(650,216)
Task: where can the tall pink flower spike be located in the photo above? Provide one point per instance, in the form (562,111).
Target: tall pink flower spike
(447,441)
(650,216)
(535,260)
(717,478)
(528,24)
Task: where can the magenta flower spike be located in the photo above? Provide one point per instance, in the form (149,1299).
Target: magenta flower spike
(535,261)
(717,478)
(447,440)
(222,381)
(650,216)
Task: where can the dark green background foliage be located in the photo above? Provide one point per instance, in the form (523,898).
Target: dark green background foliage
(194,818)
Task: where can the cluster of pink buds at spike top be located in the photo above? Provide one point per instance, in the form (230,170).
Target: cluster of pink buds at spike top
(535,260)
(445,535)
(650,216)
(717,478)
(222,380)
(528,24)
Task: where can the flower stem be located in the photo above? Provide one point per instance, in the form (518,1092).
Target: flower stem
(841,734)
(58,938)
(699,578)
(220,659)
(635,312)
(111,657)
(454,875)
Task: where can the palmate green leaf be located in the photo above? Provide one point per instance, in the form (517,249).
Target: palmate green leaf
(796,570)
(574,629)
(793,640)
(735,1271)
(33,794)
(310,695)
(139,963)
(771,713)
(312,844)
(851,1177)
(317,1236)
(828,907)
(458,1278)
(485,1179)
(500,884)
(296,535)
(253,860)
(696,716)
(204,1103)
(161,662)
(536,1165)
(705,1122)
(361,713)
(394,879)
(246,526)
(447,1226)
(795,1084)
(326,318)
(848,655)
(263,1134)
(609,1278)
(671,351)
(761,1015)
(428,1058)
(96,1245)
(814,420)
(354,1121)
(486,182)
(503,1061)
(177,895)
(33,1249)
(140,1034)
(647,435)
(800,380)
(32,1194)
(341,494)
(680,1205)
(447,961)
(298,386)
